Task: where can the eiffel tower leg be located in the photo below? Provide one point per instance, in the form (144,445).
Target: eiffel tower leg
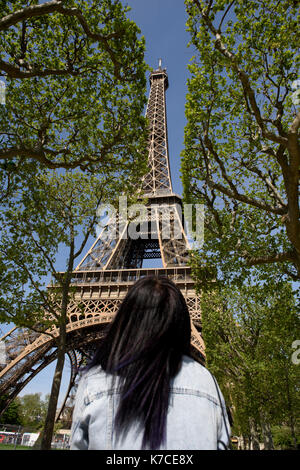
(172,238)
(197,343)
(29,359)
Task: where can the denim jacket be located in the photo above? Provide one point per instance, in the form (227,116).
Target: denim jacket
(194,420)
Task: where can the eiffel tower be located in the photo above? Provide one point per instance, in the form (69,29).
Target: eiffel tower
(112,265)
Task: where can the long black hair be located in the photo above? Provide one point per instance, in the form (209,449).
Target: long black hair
(144,348)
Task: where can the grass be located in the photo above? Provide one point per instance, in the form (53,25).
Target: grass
(19,447)
(12,447)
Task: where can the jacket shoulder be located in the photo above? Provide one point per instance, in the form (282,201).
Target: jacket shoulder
(194,376)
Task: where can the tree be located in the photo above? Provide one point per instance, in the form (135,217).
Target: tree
(242,153)
(32,409)
(75,76)
(12,414)
(75,84)
(248,332)
(54,211)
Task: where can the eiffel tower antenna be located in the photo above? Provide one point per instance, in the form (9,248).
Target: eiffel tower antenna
(113,264)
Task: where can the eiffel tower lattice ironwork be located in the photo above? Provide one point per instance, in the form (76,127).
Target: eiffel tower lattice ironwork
(113,264)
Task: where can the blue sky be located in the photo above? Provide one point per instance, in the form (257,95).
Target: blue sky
(162,23)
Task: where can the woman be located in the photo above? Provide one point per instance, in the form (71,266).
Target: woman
(142,389)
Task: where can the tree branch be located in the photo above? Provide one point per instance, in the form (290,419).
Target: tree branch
(225,13)
(276,258)
(243,77)
(269,184)
(246,199)
(87,234)
(39,155)
(28,12)
(233,192)
(15,72)
(52,7)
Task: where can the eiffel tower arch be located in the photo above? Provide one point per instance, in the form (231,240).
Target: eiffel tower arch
(112,265)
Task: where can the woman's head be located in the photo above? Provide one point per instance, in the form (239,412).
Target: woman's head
(153,316)
(144,347)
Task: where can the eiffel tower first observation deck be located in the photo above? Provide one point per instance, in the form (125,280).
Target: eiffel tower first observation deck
(113,264)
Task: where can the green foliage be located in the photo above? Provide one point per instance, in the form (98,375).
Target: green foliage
(12,415)
(54,213)
(47,225)
(282,437)
(75,87)
(72,136)
(241,156)
(248,332)
(32,409)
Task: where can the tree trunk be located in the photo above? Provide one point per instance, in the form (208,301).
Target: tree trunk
(290,409)
(266,432)
(51,413)
(61,351)
(254,435)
